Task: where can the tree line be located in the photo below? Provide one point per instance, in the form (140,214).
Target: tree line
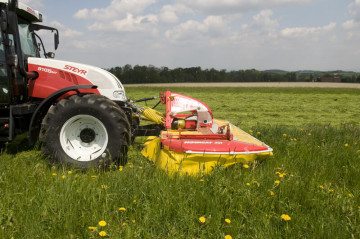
(150,74)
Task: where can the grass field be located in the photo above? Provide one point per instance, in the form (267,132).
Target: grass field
(313,180)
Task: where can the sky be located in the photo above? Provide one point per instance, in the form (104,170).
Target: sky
(222,34)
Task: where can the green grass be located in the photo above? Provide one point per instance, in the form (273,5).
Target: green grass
(315,136)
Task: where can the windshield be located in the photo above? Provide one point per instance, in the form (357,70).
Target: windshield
(28,45)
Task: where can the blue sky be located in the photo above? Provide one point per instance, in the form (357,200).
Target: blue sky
(227,34)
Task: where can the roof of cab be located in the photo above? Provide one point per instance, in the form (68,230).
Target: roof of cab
(26,12)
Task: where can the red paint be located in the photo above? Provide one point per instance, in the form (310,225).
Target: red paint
(53,79)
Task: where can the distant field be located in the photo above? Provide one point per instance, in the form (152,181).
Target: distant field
(253,84)
(313,180)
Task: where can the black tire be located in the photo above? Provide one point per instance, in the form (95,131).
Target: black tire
(86,131)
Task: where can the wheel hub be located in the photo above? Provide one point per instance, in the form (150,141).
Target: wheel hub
(87,135)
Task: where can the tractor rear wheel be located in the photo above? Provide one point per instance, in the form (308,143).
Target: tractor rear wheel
(85,131)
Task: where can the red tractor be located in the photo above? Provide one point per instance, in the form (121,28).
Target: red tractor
(79,112)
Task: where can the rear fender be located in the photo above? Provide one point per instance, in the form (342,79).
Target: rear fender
(42,109)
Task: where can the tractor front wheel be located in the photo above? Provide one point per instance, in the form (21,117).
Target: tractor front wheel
(85,131)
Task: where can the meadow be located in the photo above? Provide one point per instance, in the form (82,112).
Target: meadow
(310,188)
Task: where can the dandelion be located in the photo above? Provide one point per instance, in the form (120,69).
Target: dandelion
(277,181)
(255,182)
(93,228)
(281,175)
(69,172)
(122,209)
(121,168)
(272,193)
(134,201)
(285,217)
(331,190)
(248,184)
(246,166)
(250,131)
(102,233)
(201,180)
(63,177)
(309,134)
(350,195)
(284,135)
(93,176)
(294,139)
(54,174)
(277,173)
(258,133)
(104,186)
(346,145)
(228,237)
(102,223)
(227,220)
(124,224)
(202,219)
(321,186)
(133,221)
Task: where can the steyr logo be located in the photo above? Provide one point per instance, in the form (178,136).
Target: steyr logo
(74,69)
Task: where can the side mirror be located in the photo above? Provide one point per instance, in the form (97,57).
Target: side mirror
(56,40)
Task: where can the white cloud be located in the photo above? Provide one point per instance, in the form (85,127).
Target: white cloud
(352,26)
(128,24)
(212,27)
(65,31)
(117,9)
(172,13)
(235,6)
(304,32)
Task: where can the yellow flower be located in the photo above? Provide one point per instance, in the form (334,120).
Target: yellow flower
(121,168)
(346,145)
(258,133)
(309,134)
(285,217)
(122,209)
(69,172)
(281,175)
(250,131)
(133,221)
(93,176)
(102,223)
(134,201)
(284,135)
(102,233)
(350,195)
(277,181)
(202,180)
(272,193)
(331,190)
(63,177)
(248,184)
(93,228)
(227,220)
(246,166)
(277,173)
(104,186)
(124,224)
(294,139)
(202,219)
(321,186)
(54,174)
(228,237)
(255,182)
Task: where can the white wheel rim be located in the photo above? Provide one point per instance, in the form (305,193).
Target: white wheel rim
(78,149)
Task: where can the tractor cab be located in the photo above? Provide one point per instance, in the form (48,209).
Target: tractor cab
(18,41)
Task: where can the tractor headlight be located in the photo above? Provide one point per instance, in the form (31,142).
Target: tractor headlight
(119,94)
